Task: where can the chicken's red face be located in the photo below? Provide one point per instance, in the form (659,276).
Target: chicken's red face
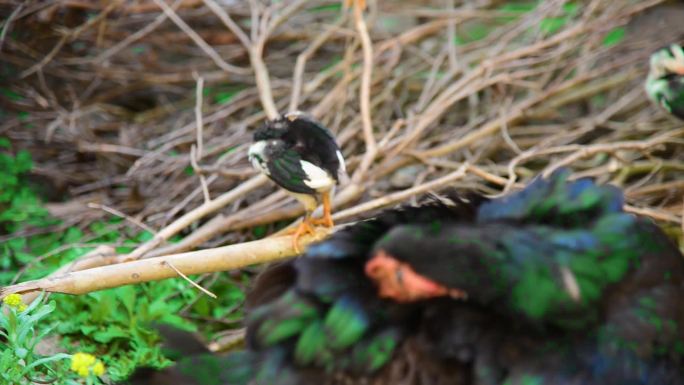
(398,281)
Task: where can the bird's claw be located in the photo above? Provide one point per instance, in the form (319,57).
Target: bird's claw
(325,221)
(303,228)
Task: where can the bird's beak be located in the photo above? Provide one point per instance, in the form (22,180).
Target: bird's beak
(293,115)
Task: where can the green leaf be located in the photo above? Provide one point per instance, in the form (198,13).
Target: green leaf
(11,95)
(21,352)
(138,49)
(570,9)
(110,333)
(24,258)
(472,33)
(73,235)
(551,25)
(259,231)
(45,360)
(23,161)
(335,7)
(17,244)
(5,143)
(224,97)
(518,7)
(615,36)
(144,236)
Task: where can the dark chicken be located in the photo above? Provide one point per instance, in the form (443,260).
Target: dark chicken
(553,284)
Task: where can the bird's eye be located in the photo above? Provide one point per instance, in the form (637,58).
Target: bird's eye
(399,275)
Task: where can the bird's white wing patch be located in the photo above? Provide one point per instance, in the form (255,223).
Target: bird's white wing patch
(340,158)
(342,176)
(317,178)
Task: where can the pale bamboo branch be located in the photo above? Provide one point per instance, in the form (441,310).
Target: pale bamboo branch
(366,78)
(118,213)
(155,269)
(302,59)
(197,152)
(100,256)
(226,19)
(655,214)
(589,150)
(8,23)
(255,49)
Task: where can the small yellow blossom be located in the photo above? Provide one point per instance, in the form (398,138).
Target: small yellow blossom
(84,363)
(14,301)
(98,368)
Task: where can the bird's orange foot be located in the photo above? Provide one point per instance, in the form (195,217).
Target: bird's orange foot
(325,221)
(303,228)
(349,3)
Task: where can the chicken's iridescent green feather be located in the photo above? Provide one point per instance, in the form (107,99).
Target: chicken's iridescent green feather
(556,270)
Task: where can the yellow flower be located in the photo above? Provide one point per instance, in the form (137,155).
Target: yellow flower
(84,363)
(98,368)
(14,301)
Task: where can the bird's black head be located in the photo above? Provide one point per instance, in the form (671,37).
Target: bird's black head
(272,129)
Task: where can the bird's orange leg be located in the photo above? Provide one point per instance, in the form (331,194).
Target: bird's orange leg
(303,228)
(327,212)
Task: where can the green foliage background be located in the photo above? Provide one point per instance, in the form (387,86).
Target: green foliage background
(115,325)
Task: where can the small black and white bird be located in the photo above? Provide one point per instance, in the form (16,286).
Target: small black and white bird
(665,82)
(301,156)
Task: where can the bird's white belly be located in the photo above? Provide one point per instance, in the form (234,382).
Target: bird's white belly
(309,201)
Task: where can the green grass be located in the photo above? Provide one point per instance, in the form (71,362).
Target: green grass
(115,325)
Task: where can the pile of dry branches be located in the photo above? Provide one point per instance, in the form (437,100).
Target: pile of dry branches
(144,109)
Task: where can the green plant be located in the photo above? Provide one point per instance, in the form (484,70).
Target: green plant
(116,325)
(615,36)
(22,328)
(551,25)
(19,205)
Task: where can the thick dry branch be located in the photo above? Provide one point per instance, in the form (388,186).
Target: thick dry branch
(155,269)
(101,255)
